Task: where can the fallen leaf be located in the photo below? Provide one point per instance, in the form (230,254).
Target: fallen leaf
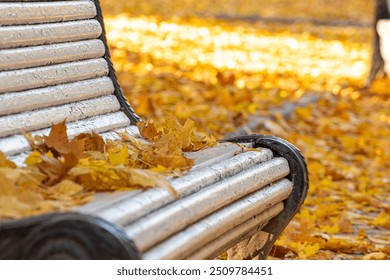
(376,256)
(4,162)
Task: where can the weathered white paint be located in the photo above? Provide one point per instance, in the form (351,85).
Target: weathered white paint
(16,102)
(186,211)
(17,144)
(194,237)
(25,79)
(18,58)
(115,134)
(232,237)
(42,12)
(129,210)
(40,34)
(103,201)
(211,155)
(34,120)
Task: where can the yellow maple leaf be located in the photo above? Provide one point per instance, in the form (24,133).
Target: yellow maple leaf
(376,256)
(4,162)
(33,158)
(67,187)
(330,229)
(308,250)
(159,168)
(145,178)
(118,155)
(382,219)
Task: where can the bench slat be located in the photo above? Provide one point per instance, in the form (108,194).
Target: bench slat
(43,12)
(104,200)
(17,144)
(15,102)
(12,59)
(31,78)
(192,238)
(40,34)
(33,120)
(129,210)
(184,212)
(232,237)
(211,155)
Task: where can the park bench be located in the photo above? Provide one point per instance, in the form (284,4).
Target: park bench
(55,65)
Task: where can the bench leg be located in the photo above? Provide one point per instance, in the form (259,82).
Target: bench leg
(64,236)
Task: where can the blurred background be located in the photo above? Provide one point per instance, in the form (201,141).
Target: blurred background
(346,11)
(267,49)
(241,65)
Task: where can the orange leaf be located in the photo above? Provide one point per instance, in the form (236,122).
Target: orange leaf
(4,162)
(148,129)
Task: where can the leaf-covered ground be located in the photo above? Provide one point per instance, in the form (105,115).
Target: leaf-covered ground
(219,73)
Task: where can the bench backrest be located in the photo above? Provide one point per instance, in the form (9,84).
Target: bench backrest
(55,65)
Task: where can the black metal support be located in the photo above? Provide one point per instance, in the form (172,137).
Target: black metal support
(126,108)
(64,236)
(299,175)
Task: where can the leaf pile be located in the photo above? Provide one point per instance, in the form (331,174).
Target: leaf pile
(61,173)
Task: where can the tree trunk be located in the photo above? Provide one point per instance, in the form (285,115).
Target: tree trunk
(381,12)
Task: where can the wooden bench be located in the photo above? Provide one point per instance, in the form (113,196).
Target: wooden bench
(55,65)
